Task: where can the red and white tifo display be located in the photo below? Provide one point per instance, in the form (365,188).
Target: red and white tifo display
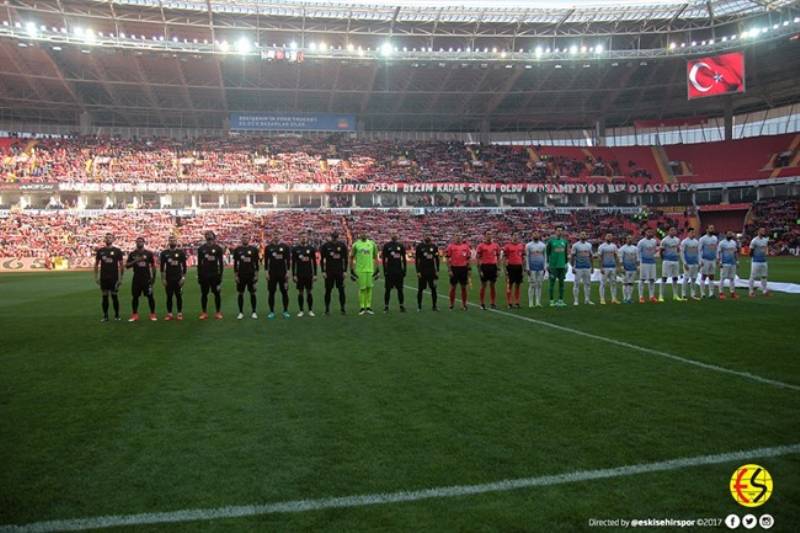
(715,75)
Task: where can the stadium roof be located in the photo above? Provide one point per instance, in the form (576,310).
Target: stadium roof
(168,62)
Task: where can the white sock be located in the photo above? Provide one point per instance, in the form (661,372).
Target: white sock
(750,284)
(651,288)
(602,288)
(661,287)
(641,289)
(764,285)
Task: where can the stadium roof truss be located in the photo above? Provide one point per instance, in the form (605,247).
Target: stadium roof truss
(402,65)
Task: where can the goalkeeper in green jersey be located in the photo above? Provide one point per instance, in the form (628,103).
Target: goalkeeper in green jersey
(364,258)
(556,252)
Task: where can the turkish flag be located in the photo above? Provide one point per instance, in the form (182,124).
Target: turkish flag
(715,75)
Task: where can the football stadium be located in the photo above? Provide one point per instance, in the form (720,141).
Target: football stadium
(396,265)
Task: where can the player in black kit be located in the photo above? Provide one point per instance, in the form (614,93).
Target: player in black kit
(108,270)
(143,263)
(394,272)
(304,273)
(209,274)
(427,263)
(277,263)
(173,275)
(245,267)
(333,263)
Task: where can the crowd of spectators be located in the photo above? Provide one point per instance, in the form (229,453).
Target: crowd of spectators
(48,235)
(289,159)
(781,217)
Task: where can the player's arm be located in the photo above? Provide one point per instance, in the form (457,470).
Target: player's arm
(162,262)
(197,264)
(152,268)
(236,260)
(131,260)
(385,258)
(322,260)
(294,263)
(97,268)
(314,261)
(404,259)
(750,250)
(184,267)
(417,259)
(221,262)
(571,256)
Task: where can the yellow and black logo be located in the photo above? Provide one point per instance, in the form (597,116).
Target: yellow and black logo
(751,485)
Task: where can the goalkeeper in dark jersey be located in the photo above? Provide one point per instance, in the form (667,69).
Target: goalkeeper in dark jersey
(394,271)
(210,267)
(427,263)
(173,275)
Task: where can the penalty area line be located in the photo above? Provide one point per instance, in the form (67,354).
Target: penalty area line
(299,506)
(685,360)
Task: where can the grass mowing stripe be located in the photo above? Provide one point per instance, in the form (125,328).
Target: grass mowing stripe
(685,360)
(299,506)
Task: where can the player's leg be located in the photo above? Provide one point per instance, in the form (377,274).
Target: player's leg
(216,288)
(340,288)
(401,297)
(452,293)
(327,296)
(434,295)
(169,291)
(240,297)
(587,288)
(251,288)
(310,296)
(603,277)
(562,281)
(421,283)
(387,293)
(284,288)
(551,287)
(272,286)
(641,284)
(205,287)
(576,286)
(104,304)
(151,301)
(115,302)
(136,292)
(179,299)
(493,292)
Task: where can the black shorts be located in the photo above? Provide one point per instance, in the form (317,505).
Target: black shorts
(460,275)
(139,288)
(334,279)
(514,273)
(305,283)
(174,285)
(213,283)
(488,273)
(394,281)
(248,283)
(276,281)
(109,284)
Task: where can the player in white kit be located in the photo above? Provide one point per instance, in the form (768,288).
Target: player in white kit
(648,251)
(759,250)
(629,257)
(728,256)
(708,261)
(581,260)
(609,265)
(690,254)
(535,266)
(670,264)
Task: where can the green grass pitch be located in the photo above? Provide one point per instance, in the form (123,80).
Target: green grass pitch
(103,419)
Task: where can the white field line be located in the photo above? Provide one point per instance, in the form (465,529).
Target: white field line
(685,360)
(299,506)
